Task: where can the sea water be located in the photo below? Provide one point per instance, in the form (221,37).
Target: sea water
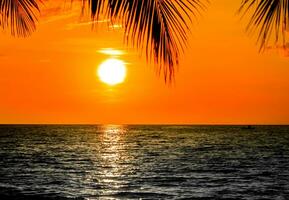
(144,162)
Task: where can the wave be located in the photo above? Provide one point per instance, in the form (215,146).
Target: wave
(14,193)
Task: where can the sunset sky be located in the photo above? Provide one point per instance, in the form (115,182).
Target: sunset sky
(51,76)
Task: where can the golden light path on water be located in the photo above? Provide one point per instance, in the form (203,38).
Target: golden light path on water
(113,162)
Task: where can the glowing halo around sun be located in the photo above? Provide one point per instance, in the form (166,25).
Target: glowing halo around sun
(112,71)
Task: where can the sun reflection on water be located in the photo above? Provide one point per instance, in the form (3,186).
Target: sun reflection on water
(113,158)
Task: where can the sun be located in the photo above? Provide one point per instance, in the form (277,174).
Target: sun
(112,71)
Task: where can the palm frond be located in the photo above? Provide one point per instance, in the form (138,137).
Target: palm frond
(19,16)
(268,17)
(159,26)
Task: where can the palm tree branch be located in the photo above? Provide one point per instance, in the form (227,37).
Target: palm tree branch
(159,26)
(268,17)
(19,15)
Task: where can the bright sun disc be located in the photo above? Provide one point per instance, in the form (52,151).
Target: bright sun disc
(112,71)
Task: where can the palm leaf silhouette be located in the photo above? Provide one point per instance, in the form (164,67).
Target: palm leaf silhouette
(268,17)
(19,16)
(159,26)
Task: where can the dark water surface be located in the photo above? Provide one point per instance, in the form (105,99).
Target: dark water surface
(144,162)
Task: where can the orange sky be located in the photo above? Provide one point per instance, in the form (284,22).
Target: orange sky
(50,77)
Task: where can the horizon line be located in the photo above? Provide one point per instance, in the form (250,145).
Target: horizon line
(146,124)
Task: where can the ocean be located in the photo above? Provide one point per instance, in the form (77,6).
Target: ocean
(143,162)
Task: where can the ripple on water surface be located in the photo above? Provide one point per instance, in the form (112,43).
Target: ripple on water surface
(147,162)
